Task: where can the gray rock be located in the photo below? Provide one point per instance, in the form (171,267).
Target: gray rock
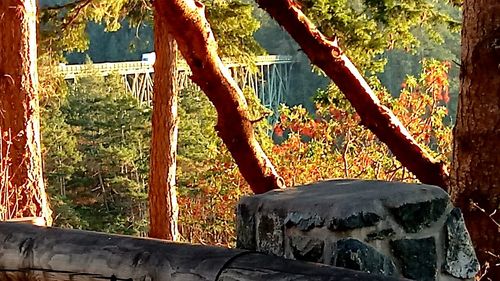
(270,238)
(413,217)
(307,249)
(359,220)
(343,204)
(304,222)
(354,254)
(460,258)
(383,234)
(245,228)
(417,258)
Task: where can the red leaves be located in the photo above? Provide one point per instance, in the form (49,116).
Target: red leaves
(436,78)
(278,131)
(332,144)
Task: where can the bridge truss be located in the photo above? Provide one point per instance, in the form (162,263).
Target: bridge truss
(269,77)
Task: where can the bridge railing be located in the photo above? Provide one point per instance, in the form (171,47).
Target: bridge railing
(267,76)
(72,71)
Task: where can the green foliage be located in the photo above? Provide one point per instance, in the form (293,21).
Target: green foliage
(366,28)
(199,190)
(96,158)
(111,30)
(234,26)
(209,183)
(96,137)
(401,63)
(304,81)
(125,44)
(401,33)
(64,24)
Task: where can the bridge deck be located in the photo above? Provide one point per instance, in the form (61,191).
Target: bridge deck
(74,70)
(269,79)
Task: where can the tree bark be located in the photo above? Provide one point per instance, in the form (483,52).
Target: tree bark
(327,55)
(163,208)
(32,253)
(19,113)
(476,160)
(187,23)
(258,267)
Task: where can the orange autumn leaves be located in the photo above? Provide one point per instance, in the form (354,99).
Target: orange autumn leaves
(333,144)
(330,143)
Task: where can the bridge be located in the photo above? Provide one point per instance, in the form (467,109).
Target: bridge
(268,77)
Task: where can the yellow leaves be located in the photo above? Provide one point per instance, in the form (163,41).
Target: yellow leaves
(111,12)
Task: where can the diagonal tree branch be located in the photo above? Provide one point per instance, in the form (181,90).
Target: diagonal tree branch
(187,23)
(327,55)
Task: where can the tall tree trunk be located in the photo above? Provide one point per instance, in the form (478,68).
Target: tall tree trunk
(187,23)
(19,113)
(163,208)
(327,55)
(476,156)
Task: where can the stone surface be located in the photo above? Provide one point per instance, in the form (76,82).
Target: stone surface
(380,235)
(343,203)
(416,216)
(307,248)
(303,222)
(359,220)
(374,226)
(270,234)
(245,228)
(417,257)
(460,258)
(354,254)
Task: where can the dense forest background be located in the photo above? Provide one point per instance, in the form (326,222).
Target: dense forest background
(96,136)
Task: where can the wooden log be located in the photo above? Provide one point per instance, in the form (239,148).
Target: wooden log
(258,267)
(30,252)
(36,253)
(40,221)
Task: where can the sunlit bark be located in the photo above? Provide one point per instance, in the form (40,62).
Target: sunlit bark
(23,191)
(187,23)
(327,55)
(163,209)
(476,160)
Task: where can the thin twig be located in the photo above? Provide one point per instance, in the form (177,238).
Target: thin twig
(344,154)
(76,13)
(474,204)
(63,6)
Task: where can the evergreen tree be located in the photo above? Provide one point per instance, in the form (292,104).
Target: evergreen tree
(105,132)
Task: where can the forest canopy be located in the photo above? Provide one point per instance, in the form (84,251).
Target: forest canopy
(370,91)
(97,167)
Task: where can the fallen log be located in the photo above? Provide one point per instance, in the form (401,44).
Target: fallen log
(39,253)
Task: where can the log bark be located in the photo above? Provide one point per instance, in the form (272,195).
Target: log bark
(163,208)
(476,160)
(258,267)
(37,253)
(23,190)
(327,55)
(187,23)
